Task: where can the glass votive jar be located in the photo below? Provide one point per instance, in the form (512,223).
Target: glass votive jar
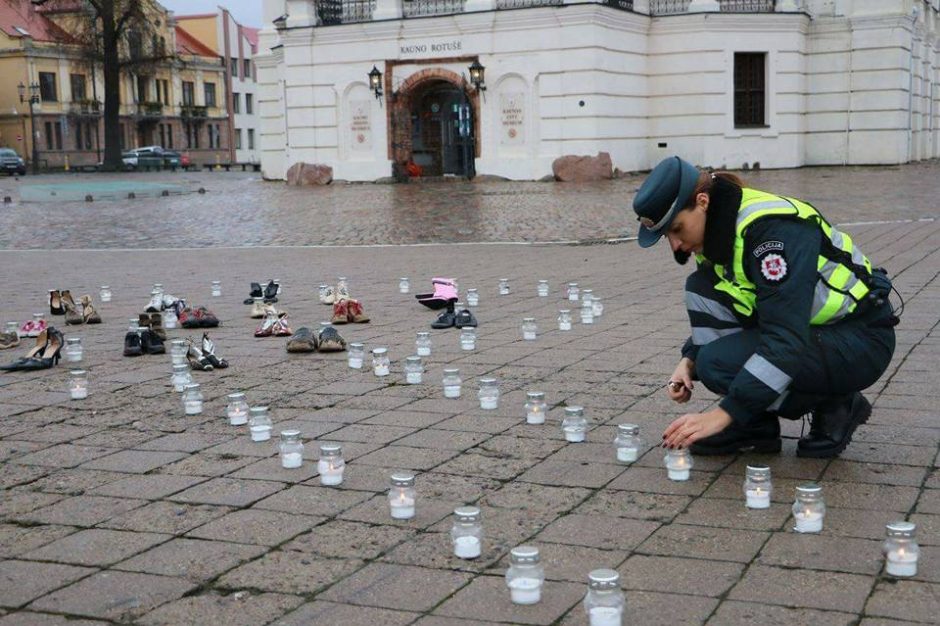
(178,350)
(573,292)
(180,377)
(451,382)
(292,449)
(192,399)
(104,294)
(587,294)
(401,495)
(414,370)
(525,575)
(216,288)
(13,327)
(380,362)
(587,312)
(404,285)
(809,508)
(757,487)
(901,550)
(627,442)
(468,338)
(678,464)
(331,464)
(488,394)
(423,343)
(39,319)
(504,286)
(133,325)
(323,291)
(157,288)
(534,407)
(78,384)
(529,329)
(597,305)
(341,284)
(473,297)
(574,424)
(542,289)
(169,318)
(356,355)
(604,600)
(73,349)
(564,319)
(259,423)
(237,409)
(467,532)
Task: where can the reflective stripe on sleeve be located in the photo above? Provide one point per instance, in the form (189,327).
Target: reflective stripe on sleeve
(702,336)
(701,304)
(768,373)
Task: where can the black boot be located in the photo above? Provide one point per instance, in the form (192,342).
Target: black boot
(834,421)
(255,293)
(764,436)
(132,346)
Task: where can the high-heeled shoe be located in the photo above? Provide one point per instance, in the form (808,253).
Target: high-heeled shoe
(208,351)
(281,327)
(44,355)
(89,314)
(197,360)
(270,292)
(72,316)
(68,299)
(266,328)
(55,302)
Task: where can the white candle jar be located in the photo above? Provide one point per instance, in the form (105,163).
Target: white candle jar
(473,297)
(380,361)
(169,318)
(468,338)
(73,349)
(216,288)
(809,509)
(574,424)
(192,399)
(451,382)
(178,350)
(564,319)
(404,285)
(401,496)
(180,377)
(291,449)
(534,407)
(573,292)
(525,575)
(597,305)
(901,550)
(331,464)
(467,532)
(488,394)
(322,291)
(341,284)
(542,289)
(678,464)
(757,487)
(587,295)
(13,327)
(356,355)
(423,343)
(133,325)
(587,312)
(259,423)
(78,384)
(504,286)
(157,288)
(104,294)
(529,329)
(414,370)
(627,443)
(604,601)
(237,409)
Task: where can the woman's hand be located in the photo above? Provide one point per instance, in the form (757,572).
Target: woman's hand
(694,426)
(680,384)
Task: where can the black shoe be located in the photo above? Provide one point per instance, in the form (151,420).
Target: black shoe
(150,343)
(834,422)
(270,292)
(132,344)
(444,320)
(764,437)
(464,318)
(255,293)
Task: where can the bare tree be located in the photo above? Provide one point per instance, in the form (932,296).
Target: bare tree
(120,36)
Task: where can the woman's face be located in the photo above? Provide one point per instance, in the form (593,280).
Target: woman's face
(687,231)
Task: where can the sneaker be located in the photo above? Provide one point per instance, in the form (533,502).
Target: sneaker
(355,312)
(9,340)
(342,293)
(834,422)
(304,340)
(340,312)
(330,340)
(207,318)
(156,303)
(257,309)
(328,296)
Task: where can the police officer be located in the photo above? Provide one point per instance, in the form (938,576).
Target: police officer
(788,316)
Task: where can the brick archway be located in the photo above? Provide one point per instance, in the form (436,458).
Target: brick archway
(401,104)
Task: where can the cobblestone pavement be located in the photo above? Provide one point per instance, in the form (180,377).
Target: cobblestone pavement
(119,508)
(242,210)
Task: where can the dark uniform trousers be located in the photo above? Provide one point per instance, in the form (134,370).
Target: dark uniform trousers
(840,358)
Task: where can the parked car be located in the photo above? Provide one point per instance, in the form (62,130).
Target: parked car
(172,159)
(147,157)
(11,162)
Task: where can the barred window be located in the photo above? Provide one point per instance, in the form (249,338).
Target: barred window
(749,89)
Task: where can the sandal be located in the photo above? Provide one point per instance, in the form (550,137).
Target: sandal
(89,314)
(302,341)
(330,340)
(340,312)
(266,328)
(445,319)
(281,327)
(197,360)
(208,351)
(355,312)
(55,302)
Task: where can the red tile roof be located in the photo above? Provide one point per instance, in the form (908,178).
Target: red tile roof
(187,44)
(252,35)
(21,14)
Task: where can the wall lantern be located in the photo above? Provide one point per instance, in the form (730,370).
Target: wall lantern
(476,75)
(375,81)
(280,23)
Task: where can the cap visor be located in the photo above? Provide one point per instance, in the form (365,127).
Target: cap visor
(647,237)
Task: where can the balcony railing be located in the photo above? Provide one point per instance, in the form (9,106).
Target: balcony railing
(527,4)
(332,12)
(191,110)
(85,108)
(150,109)
(673,7)
(423,8)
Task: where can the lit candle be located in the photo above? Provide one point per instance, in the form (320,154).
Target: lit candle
(401,496)
(678,464)
(535,407)
(757,487)
(901,549)
(78,385)
(380,361)
(331,464)
(467,532)
(809,508)
(237,409)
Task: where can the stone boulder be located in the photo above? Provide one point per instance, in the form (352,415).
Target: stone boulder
(303,174)
(581,169)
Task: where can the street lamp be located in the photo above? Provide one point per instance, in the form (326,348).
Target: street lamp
(476,75)
(33,99)
(375,82)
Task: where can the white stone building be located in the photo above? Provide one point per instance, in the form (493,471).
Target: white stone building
(782,83)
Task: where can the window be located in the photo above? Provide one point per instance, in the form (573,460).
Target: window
(749,81)
(83,132)
(209,89)
(142,94)
(163,90)
(189,90)
(121,132)
(162,135)
(78,87)
(246,73)
(192,136)
(78,136)
(47,88)
(53,135)
(234,64)
(248,103)
(169,136)
(251,138)
(236,107)
(238,138)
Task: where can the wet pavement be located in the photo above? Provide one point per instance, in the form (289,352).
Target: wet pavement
(119,508)
(240,209)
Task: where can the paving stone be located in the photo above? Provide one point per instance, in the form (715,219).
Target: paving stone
(804,588)
(203,464)
(734,514)
(655,481)
(150,486)
(443,439)
(840,554)
(370,434)
(184,442)
(228,492)
(16,540)
(96,547)
(24,618)
(879,473)
(517,447)
(63,455)
(678,575)
(354,540)
(598,531)
(721,544)
(289,572)
(656,609)
(18,504)
(232,609)
(407,458)
(376,511)
(22,581)
(486,465)
(903,599)
(266,528)
(572,563)
(114,595)
(929,501)
(83,510)
(321,612)
(193,559)
(75,481)
(399,587)
(537,497)
(134,461)
(572,474)
(732,613)
(167,517)
(487,598)
(305,500)
(635,504)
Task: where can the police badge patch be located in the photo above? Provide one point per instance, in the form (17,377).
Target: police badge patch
(773,267)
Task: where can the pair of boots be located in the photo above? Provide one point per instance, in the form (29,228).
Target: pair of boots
(268,294)
(833,423)
(348,310)
(145,342)
(306,340)
(203,357)
(444,295)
